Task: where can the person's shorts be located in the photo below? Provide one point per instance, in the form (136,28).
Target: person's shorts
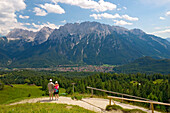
(56,92)
(50,92)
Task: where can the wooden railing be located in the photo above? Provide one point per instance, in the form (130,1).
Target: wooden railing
(116,93)
(121,98)
(135,100)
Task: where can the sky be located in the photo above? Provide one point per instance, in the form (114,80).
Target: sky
(151,16)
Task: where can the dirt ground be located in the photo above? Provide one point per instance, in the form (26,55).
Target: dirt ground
(94,104)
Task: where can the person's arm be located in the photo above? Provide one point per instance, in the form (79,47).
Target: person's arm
(53,86)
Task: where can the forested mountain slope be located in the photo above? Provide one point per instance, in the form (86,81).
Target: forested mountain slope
(145,65)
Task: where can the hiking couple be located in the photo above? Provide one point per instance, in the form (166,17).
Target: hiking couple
(53,88)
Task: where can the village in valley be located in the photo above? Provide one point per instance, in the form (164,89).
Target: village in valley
(88,68)
(70,68)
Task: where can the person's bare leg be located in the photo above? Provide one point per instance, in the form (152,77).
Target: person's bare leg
(55,96)
(50,95)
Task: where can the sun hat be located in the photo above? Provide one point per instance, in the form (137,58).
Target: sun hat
(56,82)
(51,80)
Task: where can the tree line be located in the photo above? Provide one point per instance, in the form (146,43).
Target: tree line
(152,86)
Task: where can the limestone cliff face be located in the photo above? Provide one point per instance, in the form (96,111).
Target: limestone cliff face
(42,35)
(87,43)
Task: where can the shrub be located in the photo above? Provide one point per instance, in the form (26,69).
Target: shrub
(62,94)
(116,107)
(78,97)
(109,107)
(27,81)
(72,97)
(29,95)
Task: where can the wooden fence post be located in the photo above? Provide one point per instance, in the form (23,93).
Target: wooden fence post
(109,101)
(152,107)
(91,92)
(122,98)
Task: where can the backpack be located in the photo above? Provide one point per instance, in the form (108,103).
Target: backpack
(56,88)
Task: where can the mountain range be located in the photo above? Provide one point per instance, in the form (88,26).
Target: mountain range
(79,43)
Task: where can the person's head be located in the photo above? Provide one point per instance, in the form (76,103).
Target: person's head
(56,82)
(51,80)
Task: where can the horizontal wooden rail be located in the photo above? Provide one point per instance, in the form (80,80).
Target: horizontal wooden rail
(144,100)
(118,93)
(153,102)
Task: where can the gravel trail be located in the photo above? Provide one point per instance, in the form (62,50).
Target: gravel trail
(94,104)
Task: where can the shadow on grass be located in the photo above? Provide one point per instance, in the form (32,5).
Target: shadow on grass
(46,100)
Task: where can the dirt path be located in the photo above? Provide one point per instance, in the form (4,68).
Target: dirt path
(94,104)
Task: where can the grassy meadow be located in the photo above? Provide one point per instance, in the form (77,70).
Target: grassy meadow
(23,91)
(19,92)
(43,108)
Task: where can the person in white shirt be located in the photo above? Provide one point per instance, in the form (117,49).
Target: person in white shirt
(51,89)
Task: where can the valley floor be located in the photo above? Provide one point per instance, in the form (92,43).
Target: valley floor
(93,104)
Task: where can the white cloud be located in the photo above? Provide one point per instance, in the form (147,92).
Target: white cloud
(99,6)
(53,8)
(7,14)
(163,28)
(23,17)
(39,12)
(157,28)
(119,9)
(48,24)
(162,31)
(161,18)
(110,16)
(121,22)
(129,18)
(8,19)
(64,21)
(125,8)
(167,13)
(105,15)
(23,24)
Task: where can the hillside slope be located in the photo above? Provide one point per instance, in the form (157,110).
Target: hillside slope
(145,65)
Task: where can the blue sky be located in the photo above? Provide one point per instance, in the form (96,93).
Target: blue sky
(152,16)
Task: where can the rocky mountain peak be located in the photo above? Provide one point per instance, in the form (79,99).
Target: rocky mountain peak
(137,31)
(46,29)
(43,35)
(17,34)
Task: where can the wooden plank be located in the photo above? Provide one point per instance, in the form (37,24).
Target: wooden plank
(117,93)
(148,101)
(152,102)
